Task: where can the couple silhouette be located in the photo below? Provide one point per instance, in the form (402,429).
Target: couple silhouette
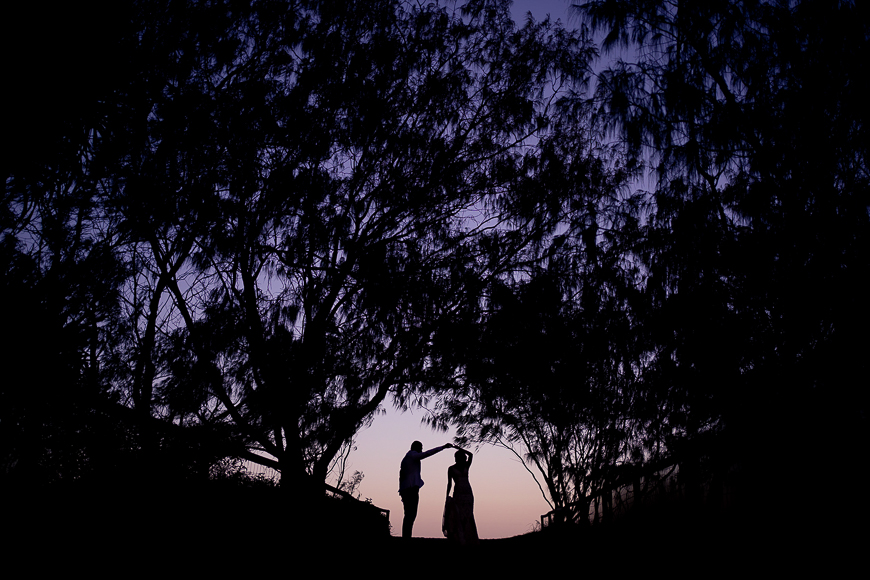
(458,524)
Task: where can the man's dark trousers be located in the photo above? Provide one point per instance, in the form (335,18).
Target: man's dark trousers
(411,499)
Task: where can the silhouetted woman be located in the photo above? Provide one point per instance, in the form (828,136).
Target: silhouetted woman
(459,523)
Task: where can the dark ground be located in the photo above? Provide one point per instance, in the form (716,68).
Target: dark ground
(112,535)
(756,549)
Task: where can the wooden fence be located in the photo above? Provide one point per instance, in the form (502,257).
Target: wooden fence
(664,483)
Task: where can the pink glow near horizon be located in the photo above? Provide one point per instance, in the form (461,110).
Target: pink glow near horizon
(507,502)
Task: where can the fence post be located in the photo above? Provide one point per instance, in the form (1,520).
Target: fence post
(636,499)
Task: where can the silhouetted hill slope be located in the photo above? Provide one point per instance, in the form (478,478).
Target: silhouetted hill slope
(189,531)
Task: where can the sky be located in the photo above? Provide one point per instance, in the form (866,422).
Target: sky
(507,501)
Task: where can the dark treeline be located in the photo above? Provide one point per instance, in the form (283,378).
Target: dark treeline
(725,306)
(235,230)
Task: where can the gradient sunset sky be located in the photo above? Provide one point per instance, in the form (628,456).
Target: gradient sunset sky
(507,501)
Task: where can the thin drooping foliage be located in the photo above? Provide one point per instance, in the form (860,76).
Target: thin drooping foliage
(255,224)
(296,197)
(727,299)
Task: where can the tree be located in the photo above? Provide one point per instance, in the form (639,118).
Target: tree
(750,115)
(548,370)
(61,274)
(307,193)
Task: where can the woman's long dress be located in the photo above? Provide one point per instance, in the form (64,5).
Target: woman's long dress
(459,525)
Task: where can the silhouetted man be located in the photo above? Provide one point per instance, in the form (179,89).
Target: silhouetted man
(410,482)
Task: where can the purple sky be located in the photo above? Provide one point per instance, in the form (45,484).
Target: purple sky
(507,500)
